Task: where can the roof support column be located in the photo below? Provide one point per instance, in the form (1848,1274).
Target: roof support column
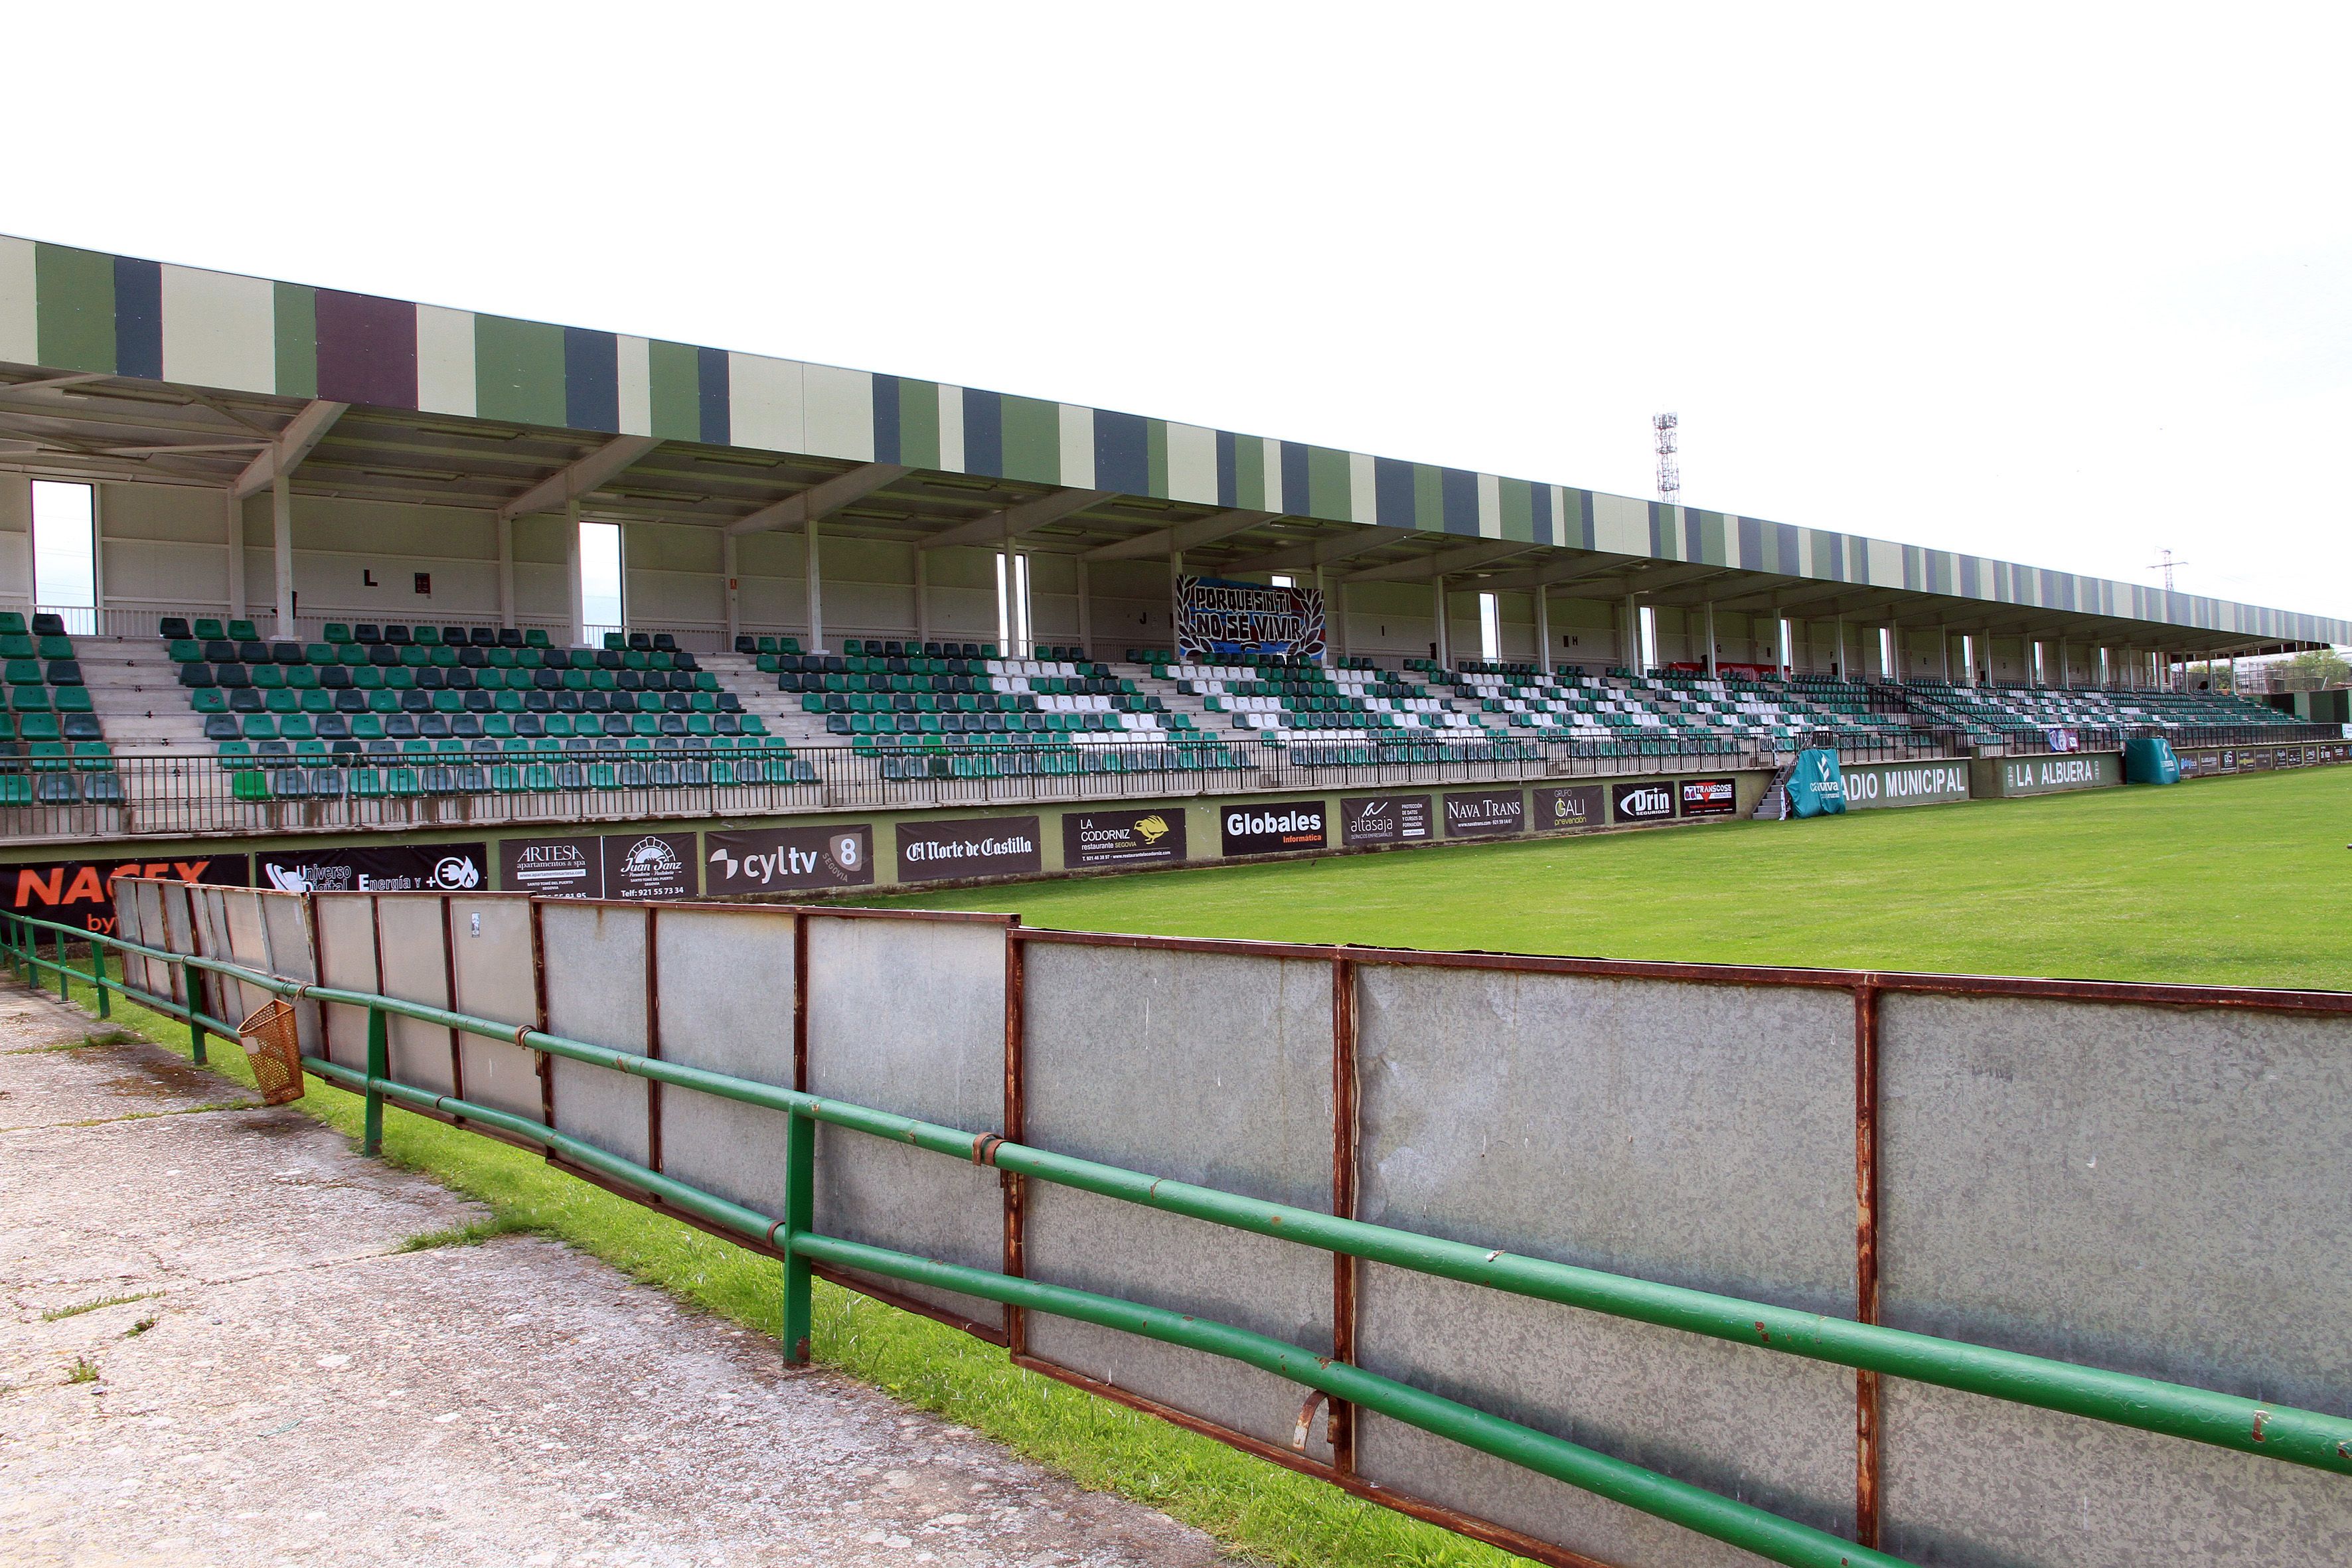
(727,565)
(1324,657)
(1543,627)
(1710,639)
(922,595)
(1944,634)
(1175,571)
(1445,641)
(1895,651)
(232,536)
(505,572)
(814,573)
(1629,646)
(1085,611)
(1838,666)
(579,604)
(282,516)
(2065,671)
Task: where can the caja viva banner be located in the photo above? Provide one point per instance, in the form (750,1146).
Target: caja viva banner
(1217,616)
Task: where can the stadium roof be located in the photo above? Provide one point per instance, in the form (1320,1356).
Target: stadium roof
(114,367)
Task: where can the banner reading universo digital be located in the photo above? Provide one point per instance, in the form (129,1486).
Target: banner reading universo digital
(1215,615)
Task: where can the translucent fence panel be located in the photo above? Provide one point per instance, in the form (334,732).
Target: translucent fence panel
(724,988)
(493,974)
(413,944)
(596,977)
(908,1015)
(2154,1190)
(346,935)
(1210,1067)
(1697,1135)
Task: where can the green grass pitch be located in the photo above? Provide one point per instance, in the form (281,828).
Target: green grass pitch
(2243,880)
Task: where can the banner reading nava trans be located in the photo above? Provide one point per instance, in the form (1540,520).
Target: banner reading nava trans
(1217,616)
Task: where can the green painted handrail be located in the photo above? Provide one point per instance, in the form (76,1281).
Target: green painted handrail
(2299,1437)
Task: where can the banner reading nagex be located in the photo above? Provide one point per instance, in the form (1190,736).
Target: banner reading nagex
(81,892)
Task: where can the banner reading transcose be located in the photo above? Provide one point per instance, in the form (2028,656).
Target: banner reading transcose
(1217,616)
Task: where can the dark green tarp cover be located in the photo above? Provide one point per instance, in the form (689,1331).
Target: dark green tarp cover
(2150,760)
(1816,788)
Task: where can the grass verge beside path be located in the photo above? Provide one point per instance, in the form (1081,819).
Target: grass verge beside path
(1258,1509)
(2227,881)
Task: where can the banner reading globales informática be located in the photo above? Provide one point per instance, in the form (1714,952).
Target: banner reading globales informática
(1216,616)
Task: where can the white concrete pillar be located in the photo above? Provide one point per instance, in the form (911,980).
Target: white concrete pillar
(922,595)
(1085,611)
(1628,644)
(232,539)
(2065,670)
(1945,634)
(1543,628)
(815,579)
(577,607)
(281,514)
(1444,642)
(732,585)
(1710,639)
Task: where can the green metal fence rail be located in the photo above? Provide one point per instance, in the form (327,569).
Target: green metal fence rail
(2310,1438)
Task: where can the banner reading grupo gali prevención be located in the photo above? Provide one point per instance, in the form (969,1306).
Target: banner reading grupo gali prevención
(1217,616)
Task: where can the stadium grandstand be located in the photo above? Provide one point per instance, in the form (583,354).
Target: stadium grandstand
(339,551)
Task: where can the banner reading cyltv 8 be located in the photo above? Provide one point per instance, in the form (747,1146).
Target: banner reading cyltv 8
(1215,615)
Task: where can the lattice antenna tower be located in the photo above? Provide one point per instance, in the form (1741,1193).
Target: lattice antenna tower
(2166,566)
(1666,428)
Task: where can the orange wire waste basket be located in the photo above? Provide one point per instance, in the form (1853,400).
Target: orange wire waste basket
(275,1050)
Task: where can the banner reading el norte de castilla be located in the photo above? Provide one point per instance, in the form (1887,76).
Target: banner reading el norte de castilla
(1214,617)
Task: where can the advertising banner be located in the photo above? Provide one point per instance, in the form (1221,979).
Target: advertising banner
(400,868)
(1216,616)
(787,859)
(1708,797)
(1385,819)
(1486,814)
(1869,786)
(81,892)
(2051,776)
(616,865)
(1123,837)
(1276,828)
(1642,802)
(1568,806)
(979,846)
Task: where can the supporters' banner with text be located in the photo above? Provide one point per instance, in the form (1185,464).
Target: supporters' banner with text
(1215,615)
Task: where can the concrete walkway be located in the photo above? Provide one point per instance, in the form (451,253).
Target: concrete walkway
(288,1388)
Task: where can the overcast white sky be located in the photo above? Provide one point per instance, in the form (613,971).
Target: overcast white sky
(2065,286)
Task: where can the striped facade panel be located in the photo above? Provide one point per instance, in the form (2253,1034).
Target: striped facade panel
(837,418)
(1971,578)
(294,325)
(1458,493)
(674,391)
(1228,462)
(1621,524)
(1751,545)
(633,392)
(1273,465)
(447,377)
(1296,470)
(1196,465)
(219,330)
(1514,512)
(1249,474)
(918,422)
(1829,555)
(1545,499)
(1788,550)
(76,309)
(1358,474)
(1490,507)
(1074,445)
(138,317)
(951,444)
(367,350)
(1428,498)
(765,404)
(591,380)
(1030,437)
(1392,484)
(1122,454)
(20,303)
(1155,457)
(983,432)
(519,371)
(714,394)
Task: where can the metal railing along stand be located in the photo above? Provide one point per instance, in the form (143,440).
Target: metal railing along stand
(2304,1438)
